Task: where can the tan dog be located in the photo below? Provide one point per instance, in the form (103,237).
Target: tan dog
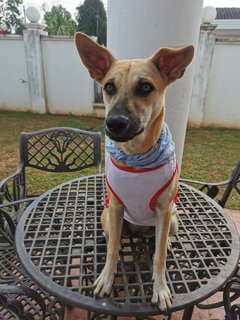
(134,96)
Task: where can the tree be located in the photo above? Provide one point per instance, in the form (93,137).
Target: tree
(11,18)
(92,19)
(59,22)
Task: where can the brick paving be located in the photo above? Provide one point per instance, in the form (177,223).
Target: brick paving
(198,314)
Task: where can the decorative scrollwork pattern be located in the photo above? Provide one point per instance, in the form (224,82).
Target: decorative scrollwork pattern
(60,150)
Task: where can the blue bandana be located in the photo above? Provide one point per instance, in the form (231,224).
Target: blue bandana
(160,154)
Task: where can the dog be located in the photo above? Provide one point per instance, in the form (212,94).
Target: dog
(134,97)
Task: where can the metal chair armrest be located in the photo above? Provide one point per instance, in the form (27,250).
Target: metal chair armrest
(25,200)
(13,193)
(204,183)
(9,218)
(15,174)
(212,188)
(13,188)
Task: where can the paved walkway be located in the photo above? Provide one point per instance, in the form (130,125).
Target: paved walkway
(211,314)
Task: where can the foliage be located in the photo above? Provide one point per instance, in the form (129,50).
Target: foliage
(92,19)
(59,22)
(11,19)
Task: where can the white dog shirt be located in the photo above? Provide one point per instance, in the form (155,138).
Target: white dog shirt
(138,189)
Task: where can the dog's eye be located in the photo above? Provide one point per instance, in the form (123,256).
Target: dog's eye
(146,86)
(144,89)
(110,88)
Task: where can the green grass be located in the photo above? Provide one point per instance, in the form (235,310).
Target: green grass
(209,154)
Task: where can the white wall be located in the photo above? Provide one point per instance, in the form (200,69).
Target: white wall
(222,106)
(14,93)
(68,86)
(69,89)
(216,91)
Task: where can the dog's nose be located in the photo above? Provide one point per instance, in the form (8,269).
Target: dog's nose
(116,123)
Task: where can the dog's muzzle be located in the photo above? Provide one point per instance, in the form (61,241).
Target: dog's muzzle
(121,129)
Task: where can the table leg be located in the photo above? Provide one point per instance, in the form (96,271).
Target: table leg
(99,316)
(187,315)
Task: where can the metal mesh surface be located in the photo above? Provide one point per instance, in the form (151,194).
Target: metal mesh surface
(23,305)
(62,236)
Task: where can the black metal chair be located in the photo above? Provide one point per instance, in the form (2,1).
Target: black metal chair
(231,291)
(53,150)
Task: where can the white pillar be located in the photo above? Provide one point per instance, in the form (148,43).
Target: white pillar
(137,28)
(201,75)
(33,51)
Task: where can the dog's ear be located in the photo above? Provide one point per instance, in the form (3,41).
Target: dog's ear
(172,62)
(96,58)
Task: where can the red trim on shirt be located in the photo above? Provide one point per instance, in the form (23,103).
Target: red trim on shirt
(157,194)
(107,200)
(115,195)
(136,170)
(175,200)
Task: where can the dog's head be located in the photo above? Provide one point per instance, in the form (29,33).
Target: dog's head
(133,90)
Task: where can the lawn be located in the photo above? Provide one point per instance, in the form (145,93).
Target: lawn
(209,154)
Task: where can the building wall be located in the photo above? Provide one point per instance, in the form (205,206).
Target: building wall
(68,87)
(14,93)
(222,106)
(216,94)
(67,83)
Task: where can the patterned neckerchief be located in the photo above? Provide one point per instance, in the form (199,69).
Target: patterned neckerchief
(161,153)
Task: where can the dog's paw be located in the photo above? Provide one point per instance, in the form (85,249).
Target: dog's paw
(103,284)
(162,297)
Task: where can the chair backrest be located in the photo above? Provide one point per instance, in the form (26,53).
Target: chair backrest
(233,184)
(61,149)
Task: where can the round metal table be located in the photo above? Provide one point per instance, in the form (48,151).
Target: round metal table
(60,243)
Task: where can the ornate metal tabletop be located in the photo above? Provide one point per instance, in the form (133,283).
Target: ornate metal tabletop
(60,243)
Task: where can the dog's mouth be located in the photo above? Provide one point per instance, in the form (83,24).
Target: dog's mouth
(124,137)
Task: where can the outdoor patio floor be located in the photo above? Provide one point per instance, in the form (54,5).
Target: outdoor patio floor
(211,314)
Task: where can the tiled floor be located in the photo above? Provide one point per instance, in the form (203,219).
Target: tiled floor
(211,314)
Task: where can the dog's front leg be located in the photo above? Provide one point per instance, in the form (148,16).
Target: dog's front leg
(113,219)
(161,293)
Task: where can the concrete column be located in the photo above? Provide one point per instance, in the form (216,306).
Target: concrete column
(137,28)
(204,56)
(33,50)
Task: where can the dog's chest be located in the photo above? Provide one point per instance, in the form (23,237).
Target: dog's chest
(138,190)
